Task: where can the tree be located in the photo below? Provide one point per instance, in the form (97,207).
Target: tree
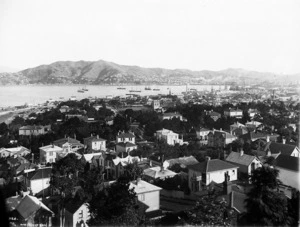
(265,205)
(133,171)
(210,211)
(3,128)
(116,205)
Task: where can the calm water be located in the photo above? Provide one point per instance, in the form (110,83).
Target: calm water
(35,94)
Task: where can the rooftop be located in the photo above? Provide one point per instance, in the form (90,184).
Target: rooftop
(211,166)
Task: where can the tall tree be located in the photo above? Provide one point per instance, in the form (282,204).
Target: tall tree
(265,205)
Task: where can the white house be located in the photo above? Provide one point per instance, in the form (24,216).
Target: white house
(203,173)
(14,151)
(202,135)
(147,193)
(220,138)
(246,163)
(168,136)
(182,161)
(76,214)
(95,143)
(158,172)
(38,180)
(49,153)
(169,116)
(125,137)
(283,148)
(288,167)
(68,144)
(233,113)
(34,130)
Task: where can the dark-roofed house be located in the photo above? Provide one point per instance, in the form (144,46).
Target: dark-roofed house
(220,138)
(288,167)
(14,151)
(95,143)
(76,213)
(68,144)
(246,163)
(169,116)
(125,147)
(214,115)
(38,180)
(28,211)
(202,174)
(125,137)
(282,148)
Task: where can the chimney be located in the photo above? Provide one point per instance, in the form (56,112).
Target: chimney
(97,136)
(207,158)
(242,152)
(283,141)
(74,136)
(269,153)
(32,157)
(220,129)
(268,139)
(227,185)
(138,181)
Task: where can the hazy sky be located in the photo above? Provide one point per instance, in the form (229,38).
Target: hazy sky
(262,35)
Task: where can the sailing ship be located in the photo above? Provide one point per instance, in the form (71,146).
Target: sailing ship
(147,88)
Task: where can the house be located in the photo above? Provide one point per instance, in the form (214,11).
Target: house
(156,104)
(15,161)
(246,163)
(34,130)
(95,143)
(38,180)
(14,151)
(288,167)
(237,113)
(50,153)
(94,158)
(68,144)
(125,137)
(125,147)
(214,115)
(76,213)
(28,210)
(169,116)
(168,136)
(202,174)
(236,125)
(147,193)
(202,135)
(252,136)
(183,162)
(122,160)
(282,148)
(64,109)
(220,138)
(158,172)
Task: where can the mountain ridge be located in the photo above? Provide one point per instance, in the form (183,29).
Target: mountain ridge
(105,72)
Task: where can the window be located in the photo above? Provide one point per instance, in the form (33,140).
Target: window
(142,197)
(51,153)
(80,216)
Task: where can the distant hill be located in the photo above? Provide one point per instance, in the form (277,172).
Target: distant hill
(103,72)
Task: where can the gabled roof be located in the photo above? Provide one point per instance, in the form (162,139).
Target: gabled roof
(171,114)
(126,135)
(143,187)
(73,205)
(288,162)
(62,141)
(40,173)
(29,205)
(224,134)
(88,157)
(157,172)
(238,201)
(237,158)
(191,160)
(203,130)
(285,149)
(31,127)
(49,148)
(211,166)
(214,114)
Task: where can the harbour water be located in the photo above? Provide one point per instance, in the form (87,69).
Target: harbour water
(36,94)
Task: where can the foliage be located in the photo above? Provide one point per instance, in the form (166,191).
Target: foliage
(174,183)
(133,171)
(265,205)
(114,206)
(210,211)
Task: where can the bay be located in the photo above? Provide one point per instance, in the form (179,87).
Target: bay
(37,94)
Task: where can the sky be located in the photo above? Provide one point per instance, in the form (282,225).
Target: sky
(260,35)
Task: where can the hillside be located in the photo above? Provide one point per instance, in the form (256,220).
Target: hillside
(103,72)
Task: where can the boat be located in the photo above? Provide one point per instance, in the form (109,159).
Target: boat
(148,88)
(73,97)
(85,89)
(156,89)
(80,90)
(132,90)
(121,88)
